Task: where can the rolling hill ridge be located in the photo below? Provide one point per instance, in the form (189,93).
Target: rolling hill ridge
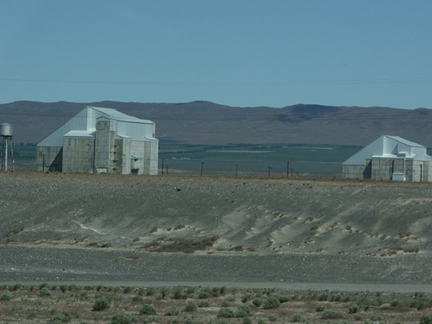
(202,122)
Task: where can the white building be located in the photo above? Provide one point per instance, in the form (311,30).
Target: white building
(101,140)
(390,158)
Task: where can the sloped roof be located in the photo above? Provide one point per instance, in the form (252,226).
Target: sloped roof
(390,147)
(403,141)
(114,114)
(83,125)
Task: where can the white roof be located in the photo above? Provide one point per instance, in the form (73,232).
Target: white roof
(403,141)
(83,125)
(84,134)
(390,147)
(114,114)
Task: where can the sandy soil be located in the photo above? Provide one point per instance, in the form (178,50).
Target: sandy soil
(138,228)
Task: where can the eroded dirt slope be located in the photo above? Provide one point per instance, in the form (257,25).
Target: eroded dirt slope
(216,215)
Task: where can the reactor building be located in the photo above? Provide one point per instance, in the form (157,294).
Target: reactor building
(101,140)
(390,158)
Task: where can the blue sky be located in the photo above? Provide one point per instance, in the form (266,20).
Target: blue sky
(239,53)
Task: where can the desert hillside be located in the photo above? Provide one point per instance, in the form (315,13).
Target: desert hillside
(216,215)
(202,122)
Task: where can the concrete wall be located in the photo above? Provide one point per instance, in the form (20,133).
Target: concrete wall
(121,154)
(78,155)
(102,154)
(49,158)
(104,147)
(420,171)
(409,171)
(154,158)
(145,153)
(427,171)
(151,157)
(138,150)
(353,171)
(383,169)
(399,166)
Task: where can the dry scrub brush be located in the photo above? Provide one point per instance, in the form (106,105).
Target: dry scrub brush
(189,305)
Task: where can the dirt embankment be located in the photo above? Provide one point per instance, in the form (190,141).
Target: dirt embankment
(386,224)
(216,215)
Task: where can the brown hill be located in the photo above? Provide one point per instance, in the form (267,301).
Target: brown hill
(203,122)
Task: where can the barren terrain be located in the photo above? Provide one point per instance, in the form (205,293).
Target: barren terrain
(203,122)
(165,228)
(299,237)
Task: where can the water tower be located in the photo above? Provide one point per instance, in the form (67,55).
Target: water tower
(6,137)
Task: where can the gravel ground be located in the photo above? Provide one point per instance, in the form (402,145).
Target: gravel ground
(22,264)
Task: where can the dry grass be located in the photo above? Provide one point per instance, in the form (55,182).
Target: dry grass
(26,305)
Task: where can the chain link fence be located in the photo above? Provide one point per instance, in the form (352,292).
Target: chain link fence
(235,168)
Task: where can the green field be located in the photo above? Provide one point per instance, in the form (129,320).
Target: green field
(304,158)
(251,152)
(24,155)
(248,158)
(236,159)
